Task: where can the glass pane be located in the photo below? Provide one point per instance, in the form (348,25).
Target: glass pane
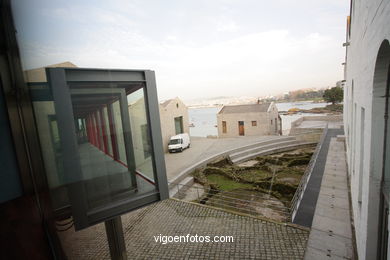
(111,129)
(119,133)
(49,137)
(106,178)
(141,134)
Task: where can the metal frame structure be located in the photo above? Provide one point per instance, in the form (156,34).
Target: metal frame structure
(60,80)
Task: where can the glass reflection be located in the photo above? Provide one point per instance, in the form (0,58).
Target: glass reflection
(113,143)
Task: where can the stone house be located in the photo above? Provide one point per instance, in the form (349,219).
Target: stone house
(366,124)
(174,119)
(249,120)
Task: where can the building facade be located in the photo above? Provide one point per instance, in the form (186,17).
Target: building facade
(249,120)
(366,124)
(174,119)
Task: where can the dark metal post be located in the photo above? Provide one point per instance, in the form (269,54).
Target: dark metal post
(116,240)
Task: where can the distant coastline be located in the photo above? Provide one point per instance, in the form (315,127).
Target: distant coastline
(204,117)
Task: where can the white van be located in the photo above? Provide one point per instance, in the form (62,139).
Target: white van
(179,143)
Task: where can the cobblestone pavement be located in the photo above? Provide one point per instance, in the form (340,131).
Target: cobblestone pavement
(253,238)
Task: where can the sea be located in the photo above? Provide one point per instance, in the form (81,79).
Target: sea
(204,120)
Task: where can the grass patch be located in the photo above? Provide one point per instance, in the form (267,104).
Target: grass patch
(253,175)
(225,184)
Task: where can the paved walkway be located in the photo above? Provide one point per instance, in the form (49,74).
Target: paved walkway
(331,235)
(253,238)
(305,213)
(202,148)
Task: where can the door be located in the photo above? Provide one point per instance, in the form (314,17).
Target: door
(241,129)
(276,125)
(179,125)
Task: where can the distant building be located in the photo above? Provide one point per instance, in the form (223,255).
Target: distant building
(366,124)
(39,74)
(249,120)
(174,119)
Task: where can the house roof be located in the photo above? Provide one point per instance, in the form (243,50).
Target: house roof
(252,108)
(166,102)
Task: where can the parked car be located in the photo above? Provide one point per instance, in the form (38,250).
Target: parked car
(179,142)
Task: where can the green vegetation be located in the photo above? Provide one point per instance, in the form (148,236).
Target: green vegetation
(288,167)
(335,107)
(226,184)
(334,95)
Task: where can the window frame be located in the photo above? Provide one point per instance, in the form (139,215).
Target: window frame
(59,80)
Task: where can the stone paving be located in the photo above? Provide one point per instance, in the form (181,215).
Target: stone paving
(253,238)
(331,234)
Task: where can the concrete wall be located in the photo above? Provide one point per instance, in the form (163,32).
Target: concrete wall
(364,116)
(168,113)
(328,118)
(263,119)
(307,134)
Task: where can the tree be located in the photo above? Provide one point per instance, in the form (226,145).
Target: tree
(334,95)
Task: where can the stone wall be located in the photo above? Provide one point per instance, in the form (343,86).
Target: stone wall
(263,123)
(168,113)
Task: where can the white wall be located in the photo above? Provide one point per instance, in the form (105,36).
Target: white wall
(369,28)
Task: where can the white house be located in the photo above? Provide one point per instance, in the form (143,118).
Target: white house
(366,123)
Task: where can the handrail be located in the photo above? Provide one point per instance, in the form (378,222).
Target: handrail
(226,199)
(317,131)
(306,176)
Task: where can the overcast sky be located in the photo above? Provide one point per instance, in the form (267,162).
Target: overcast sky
(198,49)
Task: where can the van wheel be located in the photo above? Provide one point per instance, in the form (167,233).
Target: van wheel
(181,149)
(188,145)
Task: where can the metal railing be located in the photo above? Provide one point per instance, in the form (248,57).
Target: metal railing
(306,176)
(250,204)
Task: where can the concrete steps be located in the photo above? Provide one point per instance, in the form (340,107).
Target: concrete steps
(247,147)
(274,146)
(181,186)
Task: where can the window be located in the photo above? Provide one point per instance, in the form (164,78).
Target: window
(224,130)
(254,123)
(271,121)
